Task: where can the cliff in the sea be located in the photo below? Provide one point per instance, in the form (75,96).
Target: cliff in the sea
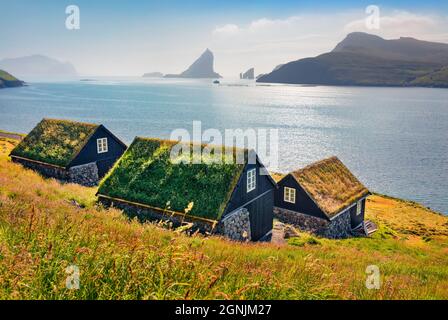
(9,81)
(367,60)
(201,68)
(248,75)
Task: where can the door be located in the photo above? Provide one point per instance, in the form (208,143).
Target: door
(261,215)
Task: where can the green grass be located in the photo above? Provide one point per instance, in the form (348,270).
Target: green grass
(55,141)
(42,232)
(6,76)
(146,174)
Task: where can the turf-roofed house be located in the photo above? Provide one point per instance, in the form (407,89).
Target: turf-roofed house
(324,198)
(216,194)
(70,151)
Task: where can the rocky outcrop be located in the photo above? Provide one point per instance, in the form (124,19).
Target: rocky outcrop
(201,68)
(248,75)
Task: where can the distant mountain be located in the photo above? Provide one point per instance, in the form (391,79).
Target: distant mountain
(368,60)
(38,66)
(248,75)
(153,75)
(201,68)
(9,81)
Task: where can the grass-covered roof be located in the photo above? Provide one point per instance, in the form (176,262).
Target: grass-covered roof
(331,185)
(145,174)
(55,141)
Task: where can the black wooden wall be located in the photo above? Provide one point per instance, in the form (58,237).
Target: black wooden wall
(259,202)
(104,160)
(304,204)
(357,219)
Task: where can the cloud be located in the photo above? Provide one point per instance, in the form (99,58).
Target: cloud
(402,23)
(264,23)
(265,42)
(228,29)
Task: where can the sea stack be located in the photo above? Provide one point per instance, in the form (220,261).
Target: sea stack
(201,68)
(248,75)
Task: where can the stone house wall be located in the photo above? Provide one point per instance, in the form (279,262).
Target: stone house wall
(236,225)
(45,170)
(86,174)
(338,228)
(152,215)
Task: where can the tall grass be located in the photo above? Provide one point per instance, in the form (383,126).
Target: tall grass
(46,226)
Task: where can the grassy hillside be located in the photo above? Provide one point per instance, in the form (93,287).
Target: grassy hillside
(46,226)
(436,79)
(7,80)
(345,68)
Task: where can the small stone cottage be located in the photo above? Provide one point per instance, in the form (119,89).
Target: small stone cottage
(69,151)
(324,198)
(231,198)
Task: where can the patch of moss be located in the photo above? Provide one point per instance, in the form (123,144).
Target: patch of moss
(55,141)
(145,174)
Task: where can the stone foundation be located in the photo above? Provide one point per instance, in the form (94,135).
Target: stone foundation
(45,170)
(146,214)
(86,175)
(236,225)
(338,228)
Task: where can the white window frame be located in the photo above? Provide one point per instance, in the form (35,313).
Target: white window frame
(101,145)
(289,195)
(358,207)
(251,180)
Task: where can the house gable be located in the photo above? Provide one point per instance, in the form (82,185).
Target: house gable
(89,152)
(331,185)
(303,204)
(240,196)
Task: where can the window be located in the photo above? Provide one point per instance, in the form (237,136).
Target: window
(358,207)
(101,145)
(251,180)
(289,195)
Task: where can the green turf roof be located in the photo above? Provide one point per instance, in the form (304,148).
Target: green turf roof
(146,175)
(55,141)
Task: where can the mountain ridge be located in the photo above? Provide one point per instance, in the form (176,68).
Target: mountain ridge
(363,59)
(38,65)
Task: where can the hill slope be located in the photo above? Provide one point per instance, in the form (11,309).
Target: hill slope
(9,81)
(46,226)
(38,66)
(367,60)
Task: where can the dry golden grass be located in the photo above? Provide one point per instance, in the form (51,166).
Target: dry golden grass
(46,226)
(330,184)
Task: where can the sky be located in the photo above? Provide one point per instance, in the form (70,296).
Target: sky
(129,38)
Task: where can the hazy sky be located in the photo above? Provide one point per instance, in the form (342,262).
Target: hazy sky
(133,37)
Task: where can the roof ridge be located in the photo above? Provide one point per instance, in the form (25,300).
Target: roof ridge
(315,164)
(71,121)
(202,144)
